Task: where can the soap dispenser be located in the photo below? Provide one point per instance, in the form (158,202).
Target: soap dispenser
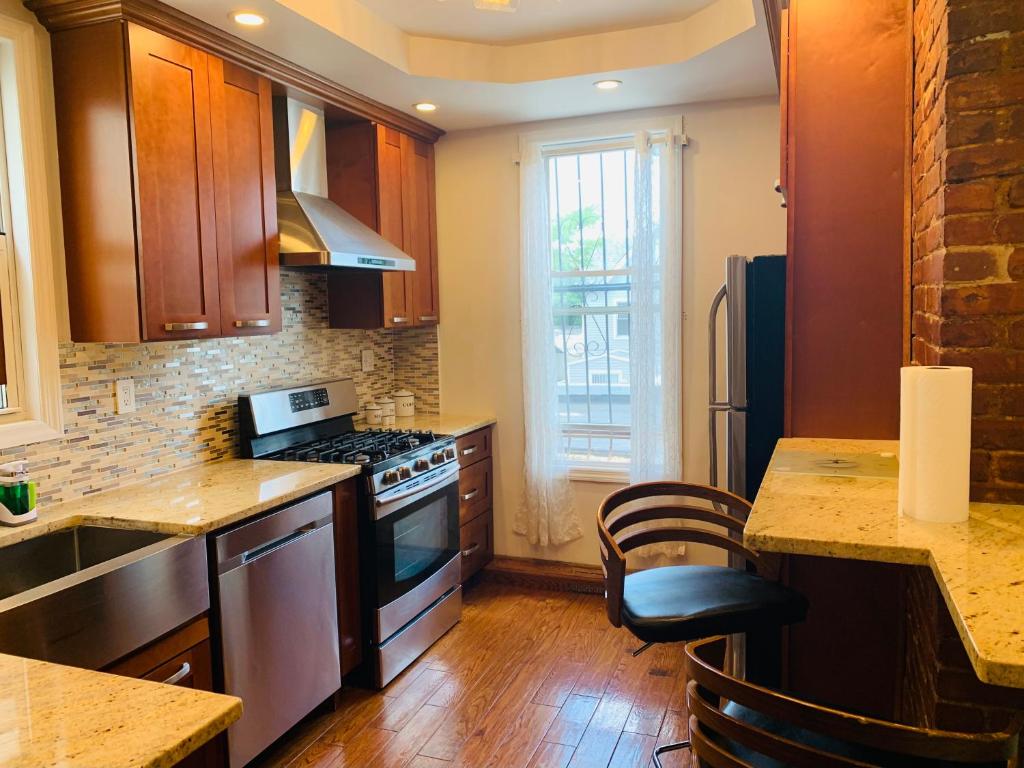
(17,494)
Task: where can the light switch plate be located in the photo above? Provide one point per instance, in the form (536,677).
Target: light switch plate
(124,395)
(367,360)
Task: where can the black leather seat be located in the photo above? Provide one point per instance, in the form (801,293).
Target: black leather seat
(689,602)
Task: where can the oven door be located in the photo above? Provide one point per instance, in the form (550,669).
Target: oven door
(417,548)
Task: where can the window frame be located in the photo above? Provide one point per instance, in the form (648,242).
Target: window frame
(31,333)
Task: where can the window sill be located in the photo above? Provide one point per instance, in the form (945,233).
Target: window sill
(599,475)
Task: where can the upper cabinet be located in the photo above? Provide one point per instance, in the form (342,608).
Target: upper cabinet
(385,178)
(168,191)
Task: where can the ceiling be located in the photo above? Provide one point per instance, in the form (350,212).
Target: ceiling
(534,20)
(482,73)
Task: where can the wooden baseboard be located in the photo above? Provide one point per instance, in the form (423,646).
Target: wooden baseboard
(545,574)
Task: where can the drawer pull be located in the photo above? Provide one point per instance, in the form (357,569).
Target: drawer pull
(399,320)
(186,326)
(470,552)
(471,495)
(180,675)
(428,318)
(468,451)
(252,323)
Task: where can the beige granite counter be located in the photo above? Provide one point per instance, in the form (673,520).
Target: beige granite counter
(54,716)
(834,510)
(452,424)
(192,501)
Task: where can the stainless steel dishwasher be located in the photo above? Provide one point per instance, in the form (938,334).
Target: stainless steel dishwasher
(278,621)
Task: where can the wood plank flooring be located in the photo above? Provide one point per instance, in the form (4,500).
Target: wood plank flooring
(528,679)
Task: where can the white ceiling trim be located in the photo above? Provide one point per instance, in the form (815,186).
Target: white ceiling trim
(596,53)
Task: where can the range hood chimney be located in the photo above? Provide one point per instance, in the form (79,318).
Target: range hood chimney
(315,232)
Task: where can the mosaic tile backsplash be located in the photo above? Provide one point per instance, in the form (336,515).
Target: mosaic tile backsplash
(186,392)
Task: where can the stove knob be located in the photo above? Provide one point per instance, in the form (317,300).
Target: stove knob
(449,453)
(437,458)
(390,477)
(421,465)
(404,473)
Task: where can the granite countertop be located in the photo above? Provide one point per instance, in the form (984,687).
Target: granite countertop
(192,501)
(446,423)
(838,498)
(56,716)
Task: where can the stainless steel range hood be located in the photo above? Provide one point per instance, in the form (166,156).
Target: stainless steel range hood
(315,232)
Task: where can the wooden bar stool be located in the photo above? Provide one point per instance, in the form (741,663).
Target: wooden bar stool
(737,724)
(688,602)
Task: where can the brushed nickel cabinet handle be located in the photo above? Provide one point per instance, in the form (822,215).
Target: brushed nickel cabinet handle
(186,326)
(252,323)
(468,451)
(469,552)
(397,320)
(180,675)
(428,318)
(471,495)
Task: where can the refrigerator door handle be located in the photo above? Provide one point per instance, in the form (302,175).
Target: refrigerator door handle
(715,406)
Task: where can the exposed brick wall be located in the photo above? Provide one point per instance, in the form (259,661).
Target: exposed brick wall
(940,688)
(968,219)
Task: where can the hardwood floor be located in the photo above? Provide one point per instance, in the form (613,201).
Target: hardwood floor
(527,679)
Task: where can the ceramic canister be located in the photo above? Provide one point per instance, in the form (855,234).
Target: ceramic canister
(405,403)
(387,406)
(374,414)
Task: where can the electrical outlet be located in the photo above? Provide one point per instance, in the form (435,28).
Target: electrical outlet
(367,360)
(124,395)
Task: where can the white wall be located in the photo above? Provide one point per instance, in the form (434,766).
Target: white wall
(729,206)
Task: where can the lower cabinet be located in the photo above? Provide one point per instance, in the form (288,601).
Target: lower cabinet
(476,501)
(346,565)
(183,658)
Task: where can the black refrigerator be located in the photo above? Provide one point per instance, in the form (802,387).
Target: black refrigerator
(751,400)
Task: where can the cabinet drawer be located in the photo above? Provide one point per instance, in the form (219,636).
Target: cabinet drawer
(474,490)
(474,447)
(477,537)
(191,669)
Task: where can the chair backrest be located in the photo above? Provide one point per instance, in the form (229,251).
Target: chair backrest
(736,724)
(622,530)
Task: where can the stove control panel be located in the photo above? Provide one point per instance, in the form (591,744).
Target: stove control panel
(308,399)
(413,464)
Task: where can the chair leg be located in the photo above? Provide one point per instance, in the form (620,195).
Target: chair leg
(659,751)
(641,649)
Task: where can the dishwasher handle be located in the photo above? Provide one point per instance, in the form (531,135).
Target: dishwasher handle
(281,541)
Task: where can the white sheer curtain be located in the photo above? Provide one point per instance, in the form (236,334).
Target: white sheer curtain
(655,338)
(547,514)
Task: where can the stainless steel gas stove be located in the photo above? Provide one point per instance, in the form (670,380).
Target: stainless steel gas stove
(409,510)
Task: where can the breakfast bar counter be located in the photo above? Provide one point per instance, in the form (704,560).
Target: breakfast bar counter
(838,499)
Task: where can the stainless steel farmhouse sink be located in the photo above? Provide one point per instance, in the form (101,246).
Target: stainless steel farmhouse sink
(88,595)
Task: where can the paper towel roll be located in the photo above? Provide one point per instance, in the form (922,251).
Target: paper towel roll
(935,458)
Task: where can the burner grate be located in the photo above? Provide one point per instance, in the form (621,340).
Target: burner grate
(357,447)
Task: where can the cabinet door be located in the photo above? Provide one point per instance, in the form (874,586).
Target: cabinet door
(175,187)
(243,155)
(393,225)
(420,227)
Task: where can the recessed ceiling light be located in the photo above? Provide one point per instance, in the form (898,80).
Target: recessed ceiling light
(248,19)
(607,85)
(425,106)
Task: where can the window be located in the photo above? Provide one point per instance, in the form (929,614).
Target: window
(590,203)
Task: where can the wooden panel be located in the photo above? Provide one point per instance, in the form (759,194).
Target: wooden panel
(346,559)
(352,170)
(473,447)
(142,662)
(243,144)
(475,483)
(847,144)
(398,287)
(477,538)
(545,574)
(420,234)
(175,185)
(91,99)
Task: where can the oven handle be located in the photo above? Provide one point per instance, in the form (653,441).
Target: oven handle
(416,493)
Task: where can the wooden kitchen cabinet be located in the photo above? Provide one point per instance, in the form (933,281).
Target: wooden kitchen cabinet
(476,501)
(182,658)
(167,185)
(346,564)
(385,179)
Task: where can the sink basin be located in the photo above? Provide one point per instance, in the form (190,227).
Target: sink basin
(89,595)
(29,564)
